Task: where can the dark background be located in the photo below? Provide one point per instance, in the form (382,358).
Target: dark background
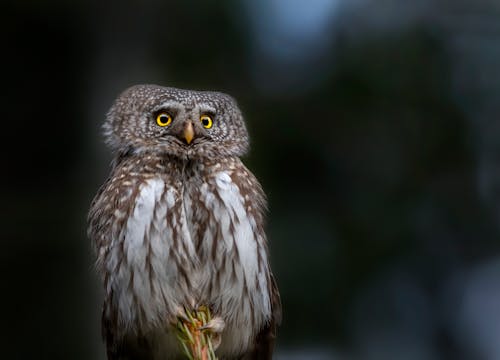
(375,133)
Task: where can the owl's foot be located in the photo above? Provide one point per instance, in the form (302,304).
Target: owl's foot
(216,325)
(198,332)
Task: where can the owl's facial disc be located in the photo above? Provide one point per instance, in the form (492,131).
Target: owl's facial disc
(182,123)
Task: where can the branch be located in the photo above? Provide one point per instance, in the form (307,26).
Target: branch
(199,333)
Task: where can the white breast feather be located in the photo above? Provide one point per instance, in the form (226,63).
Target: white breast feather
(239,332)
(149,220)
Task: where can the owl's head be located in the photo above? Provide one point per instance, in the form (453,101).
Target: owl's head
(183,123)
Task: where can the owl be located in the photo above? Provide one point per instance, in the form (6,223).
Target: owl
(180,222)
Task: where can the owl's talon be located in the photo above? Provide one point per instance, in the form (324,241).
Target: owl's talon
(215,325)
(180,314)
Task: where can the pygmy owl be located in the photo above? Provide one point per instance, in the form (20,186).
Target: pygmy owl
(180,222)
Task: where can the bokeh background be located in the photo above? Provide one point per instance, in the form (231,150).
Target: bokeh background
(375,133)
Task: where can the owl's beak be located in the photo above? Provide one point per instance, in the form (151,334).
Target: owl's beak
(189,132)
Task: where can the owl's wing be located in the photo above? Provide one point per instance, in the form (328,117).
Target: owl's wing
(275,302)
(124,347)
(129,349)
(264,342)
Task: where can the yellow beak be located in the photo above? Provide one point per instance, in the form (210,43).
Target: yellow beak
(189,132)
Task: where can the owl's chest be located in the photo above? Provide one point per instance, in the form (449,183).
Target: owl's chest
(190,242)
(196,236)
(217,221)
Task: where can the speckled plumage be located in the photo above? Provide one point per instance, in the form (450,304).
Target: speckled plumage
(181,224)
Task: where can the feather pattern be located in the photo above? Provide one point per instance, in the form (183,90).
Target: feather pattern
(180,222)
(199,240)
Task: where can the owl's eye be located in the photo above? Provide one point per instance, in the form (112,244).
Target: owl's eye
(206,121)
(163,119)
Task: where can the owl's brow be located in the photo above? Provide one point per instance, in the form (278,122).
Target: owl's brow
(166,104)
(205,108)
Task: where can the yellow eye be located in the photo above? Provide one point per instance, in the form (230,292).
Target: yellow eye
(206,121)
(163,119)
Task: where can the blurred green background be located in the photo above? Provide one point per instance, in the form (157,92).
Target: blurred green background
(375,134)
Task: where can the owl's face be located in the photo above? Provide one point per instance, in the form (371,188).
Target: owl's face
(184,123)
